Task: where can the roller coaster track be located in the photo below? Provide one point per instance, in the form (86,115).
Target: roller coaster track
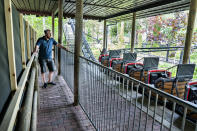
(69,31)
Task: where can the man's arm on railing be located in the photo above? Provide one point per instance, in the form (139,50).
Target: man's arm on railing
(61,46)
(36,49)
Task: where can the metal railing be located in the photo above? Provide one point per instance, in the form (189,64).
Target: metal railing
(114,101)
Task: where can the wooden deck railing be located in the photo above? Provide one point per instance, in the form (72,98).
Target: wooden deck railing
(9,120)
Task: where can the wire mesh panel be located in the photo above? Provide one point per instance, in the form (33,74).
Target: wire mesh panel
(67,68)
(114,101)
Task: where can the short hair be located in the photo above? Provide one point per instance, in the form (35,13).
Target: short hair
(45,31)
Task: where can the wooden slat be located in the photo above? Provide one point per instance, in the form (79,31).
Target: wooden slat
(28,41)
(11,113)
(10,43)
(22,41)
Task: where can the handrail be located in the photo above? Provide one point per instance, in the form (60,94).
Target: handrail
(11,113)
(180,101)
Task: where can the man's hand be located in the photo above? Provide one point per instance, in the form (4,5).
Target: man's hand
(60,46)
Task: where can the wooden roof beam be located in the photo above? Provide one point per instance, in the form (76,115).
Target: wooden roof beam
(143,7)
(38,13)
(98,5)
(84,16)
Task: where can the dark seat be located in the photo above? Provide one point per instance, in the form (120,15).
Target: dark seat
(140,72)
(176,85)
(119,65)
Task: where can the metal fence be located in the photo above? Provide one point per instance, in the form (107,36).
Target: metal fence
(114,101)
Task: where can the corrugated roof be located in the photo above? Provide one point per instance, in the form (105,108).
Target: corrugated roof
(112,10)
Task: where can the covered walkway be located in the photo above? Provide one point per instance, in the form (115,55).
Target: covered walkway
(57,113)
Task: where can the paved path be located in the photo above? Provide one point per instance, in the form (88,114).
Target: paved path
(56,111)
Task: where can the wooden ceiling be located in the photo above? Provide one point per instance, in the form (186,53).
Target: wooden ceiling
(112,10)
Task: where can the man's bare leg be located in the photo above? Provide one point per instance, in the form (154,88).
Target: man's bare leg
(50,76)
(43,77)
(43,80)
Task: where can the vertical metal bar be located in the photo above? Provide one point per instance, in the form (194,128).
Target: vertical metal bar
(102,98)
(88,86)
(130,105)
(106,98)
(163,114)
(125,112)
(98,101)
(172,116)
(183,120)
(155,111)
(121,104)
(94,95)
(135,105)
(111,100)
(141,107)
(118,97)
(116,102)
(91,83)
(149,96)
(108,105)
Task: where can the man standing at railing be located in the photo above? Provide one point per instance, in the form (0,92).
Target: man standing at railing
(44,45)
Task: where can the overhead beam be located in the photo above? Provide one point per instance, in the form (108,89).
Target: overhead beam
(78,43)
(38,13)
(143,7)
(84,16)
(98,5)
(190,29)
(10,43)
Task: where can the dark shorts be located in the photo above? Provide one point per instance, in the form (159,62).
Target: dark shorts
(44,63)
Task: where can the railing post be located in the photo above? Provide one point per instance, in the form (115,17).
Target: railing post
(10,43)
(133,32)
(78,42)
(190,28)
(104,34)
(60,17)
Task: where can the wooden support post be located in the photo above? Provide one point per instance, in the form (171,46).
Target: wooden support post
(105,35)
(53,33)
(28,40)
(10,43)
(60,17)
(190,28)
(133,33)
(22,41)
(53,25)
(78,42)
